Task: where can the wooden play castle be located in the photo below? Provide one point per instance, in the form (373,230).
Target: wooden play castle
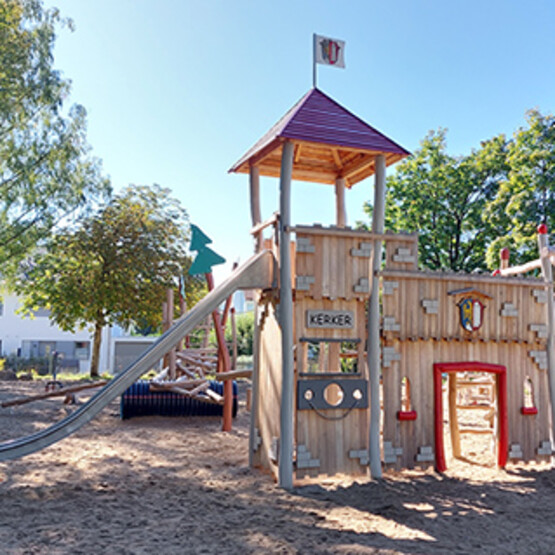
(359,356)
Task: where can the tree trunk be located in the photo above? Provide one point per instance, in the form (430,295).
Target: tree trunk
(96,349)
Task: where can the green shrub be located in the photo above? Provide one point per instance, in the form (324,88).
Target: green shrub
(20,364)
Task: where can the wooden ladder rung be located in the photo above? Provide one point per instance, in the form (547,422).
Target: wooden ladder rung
(475,407)
(476,431)
(475,384)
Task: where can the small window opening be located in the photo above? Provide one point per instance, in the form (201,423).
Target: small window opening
(330,357)
(334,394)
(528,394)
(405,395)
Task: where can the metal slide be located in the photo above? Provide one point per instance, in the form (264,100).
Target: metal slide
(256,273)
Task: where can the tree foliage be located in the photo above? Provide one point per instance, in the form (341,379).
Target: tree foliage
(527,197)
(245,333)
(466,208)
(47,175)
(115,267)
(443,198)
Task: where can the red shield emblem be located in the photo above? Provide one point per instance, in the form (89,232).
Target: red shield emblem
(471,313)
(330,51)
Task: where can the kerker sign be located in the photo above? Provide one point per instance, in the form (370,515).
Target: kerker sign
(334,319)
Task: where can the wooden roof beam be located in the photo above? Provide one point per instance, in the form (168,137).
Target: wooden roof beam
(357,166)
(265,152)
(336,158)
(297,156)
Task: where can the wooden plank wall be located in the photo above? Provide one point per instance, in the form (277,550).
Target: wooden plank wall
(269,389)
(332,264)
(430,332)
(337,265)
(330,435)
(510,316)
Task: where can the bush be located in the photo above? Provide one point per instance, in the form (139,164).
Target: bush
(20,364)
(245,333)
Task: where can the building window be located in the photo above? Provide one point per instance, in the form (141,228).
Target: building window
(42,313)
(82,350)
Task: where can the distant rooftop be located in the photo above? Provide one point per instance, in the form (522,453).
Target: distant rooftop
(330,143)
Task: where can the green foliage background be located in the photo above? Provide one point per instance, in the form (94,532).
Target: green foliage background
(466,208)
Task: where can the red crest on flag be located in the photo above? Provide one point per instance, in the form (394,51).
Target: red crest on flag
(330,51)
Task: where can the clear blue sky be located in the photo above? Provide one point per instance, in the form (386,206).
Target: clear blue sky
(177,90)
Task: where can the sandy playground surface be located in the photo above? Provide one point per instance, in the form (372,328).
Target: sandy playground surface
(160,486)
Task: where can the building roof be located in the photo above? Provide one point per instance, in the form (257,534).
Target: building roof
(330,143)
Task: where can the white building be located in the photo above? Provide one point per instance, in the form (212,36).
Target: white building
(37,337)
(243,301)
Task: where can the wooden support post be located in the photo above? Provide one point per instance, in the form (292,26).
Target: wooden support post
(453,422)
(233,340)
(286,320)
(169,323)
(182,311)
(547,272)
(341,214)
(224,357)
(254,183)
(206,336)
(256,217)
(374,321)
(228,302)
(505,255)
(165,328)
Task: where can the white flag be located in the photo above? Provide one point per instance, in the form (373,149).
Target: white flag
(330,52)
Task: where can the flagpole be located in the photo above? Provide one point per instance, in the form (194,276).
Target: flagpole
(314,60)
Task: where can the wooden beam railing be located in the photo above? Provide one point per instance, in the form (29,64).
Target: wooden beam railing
(272,221)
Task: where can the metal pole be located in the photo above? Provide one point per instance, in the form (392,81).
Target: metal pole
(547,271)
(378,217)
(286,320)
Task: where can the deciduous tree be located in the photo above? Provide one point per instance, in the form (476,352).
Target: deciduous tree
(115,267)
(443,198)
(527,197)
(47,174)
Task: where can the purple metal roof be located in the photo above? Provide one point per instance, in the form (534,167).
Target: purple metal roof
(318,118)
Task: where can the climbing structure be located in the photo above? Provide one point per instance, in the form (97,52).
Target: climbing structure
(311,394)
(438,325)
(338,335)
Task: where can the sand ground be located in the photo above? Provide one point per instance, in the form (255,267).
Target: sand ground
(161,486)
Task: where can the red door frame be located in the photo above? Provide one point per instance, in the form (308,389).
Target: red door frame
(501,373)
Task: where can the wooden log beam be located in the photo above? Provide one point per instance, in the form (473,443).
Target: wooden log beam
(336,158)
(185,384)
(272,220)
(189,371)
(215,396)
(360,163)
(193,361)
(522,269)
(232,374)
(453,420)
(58,393)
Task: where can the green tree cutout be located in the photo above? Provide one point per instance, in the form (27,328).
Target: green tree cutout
(115,268)
(47,175)
(206,257)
